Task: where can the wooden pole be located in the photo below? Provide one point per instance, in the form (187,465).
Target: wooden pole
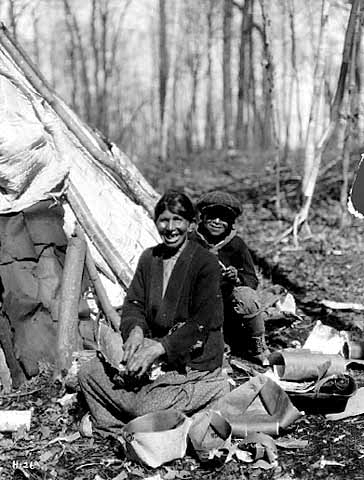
(6,343)
(67,335)
(109,311)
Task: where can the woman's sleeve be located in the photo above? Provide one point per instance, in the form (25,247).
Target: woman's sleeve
(134,307)
(206,311)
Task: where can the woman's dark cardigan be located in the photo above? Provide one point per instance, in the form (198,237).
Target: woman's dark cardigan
(188,320)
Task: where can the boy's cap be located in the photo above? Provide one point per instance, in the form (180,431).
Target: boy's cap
(219,199)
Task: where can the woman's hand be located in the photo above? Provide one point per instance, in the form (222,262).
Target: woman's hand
(144,357)
(133,343)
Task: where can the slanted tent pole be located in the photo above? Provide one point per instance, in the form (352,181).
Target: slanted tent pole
(109,311)
(67,334)
(111,255)
(132,180)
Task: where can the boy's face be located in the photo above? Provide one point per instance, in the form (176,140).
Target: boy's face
(217,221)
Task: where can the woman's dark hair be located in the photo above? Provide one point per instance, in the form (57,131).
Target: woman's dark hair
(176,202)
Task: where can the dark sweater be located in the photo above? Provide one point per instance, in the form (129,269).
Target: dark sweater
(188,320)
(234,253)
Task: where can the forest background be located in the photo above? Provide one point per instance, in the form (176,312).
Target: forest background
(278,83)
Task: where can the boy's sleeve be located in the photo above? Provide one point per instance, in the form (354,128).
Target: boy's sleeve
(245,266)
(134,307)
(206,313)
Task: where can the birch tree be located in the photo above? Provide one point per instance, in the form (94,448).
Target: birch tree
(244,76)
(168,106)
(295,77)
(311,160)
(226,68)
(351,107)
(210,140)
(163,57)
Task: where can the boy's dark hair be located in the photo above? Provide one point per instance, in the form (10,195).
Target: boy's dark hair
(219,199)
(176,202)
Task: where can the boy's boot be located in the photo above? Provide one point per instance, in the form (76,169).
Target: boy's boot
(257,350)
(247,307)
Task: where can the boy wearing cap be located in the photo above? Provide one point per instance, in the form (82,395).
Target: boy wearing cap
(244,327)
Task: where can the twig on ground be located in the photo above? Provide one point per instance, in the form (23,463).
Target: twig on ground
(22,394)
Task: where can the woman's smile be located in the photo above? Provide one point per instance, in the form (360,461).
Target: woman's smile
(172,228)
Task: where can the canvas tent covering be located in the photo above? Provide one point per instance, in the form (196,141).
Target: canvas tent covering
(55,171)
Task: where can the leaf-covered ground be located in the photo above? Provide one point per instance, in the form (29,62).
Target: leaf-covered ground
(328,265)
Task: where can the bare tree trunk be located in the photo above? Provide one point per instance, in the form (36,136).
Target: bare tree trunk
(191,117)
(268,82)
(270,120)
(170,81)
(73,70)
(103,112)
(241,127)
(73,25)
(257,122)
(226,65)
(358,116)
(295,77)
(163,57)
(285,91)
(312,162)
(110,58)
(175,115)
(209,126)
(96,62)
(350,121)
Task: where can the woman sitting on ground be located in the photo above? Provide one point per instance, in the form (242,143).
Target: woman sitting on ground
(173,313)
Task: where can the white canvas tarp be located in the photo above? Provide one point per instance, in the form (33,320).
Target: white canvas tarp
(40,158)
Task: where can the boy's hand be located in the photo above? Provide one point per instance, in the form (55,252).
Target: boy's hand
(231,274)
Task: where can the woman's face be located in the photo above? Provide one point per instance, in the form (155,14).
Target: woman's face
(172,228)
